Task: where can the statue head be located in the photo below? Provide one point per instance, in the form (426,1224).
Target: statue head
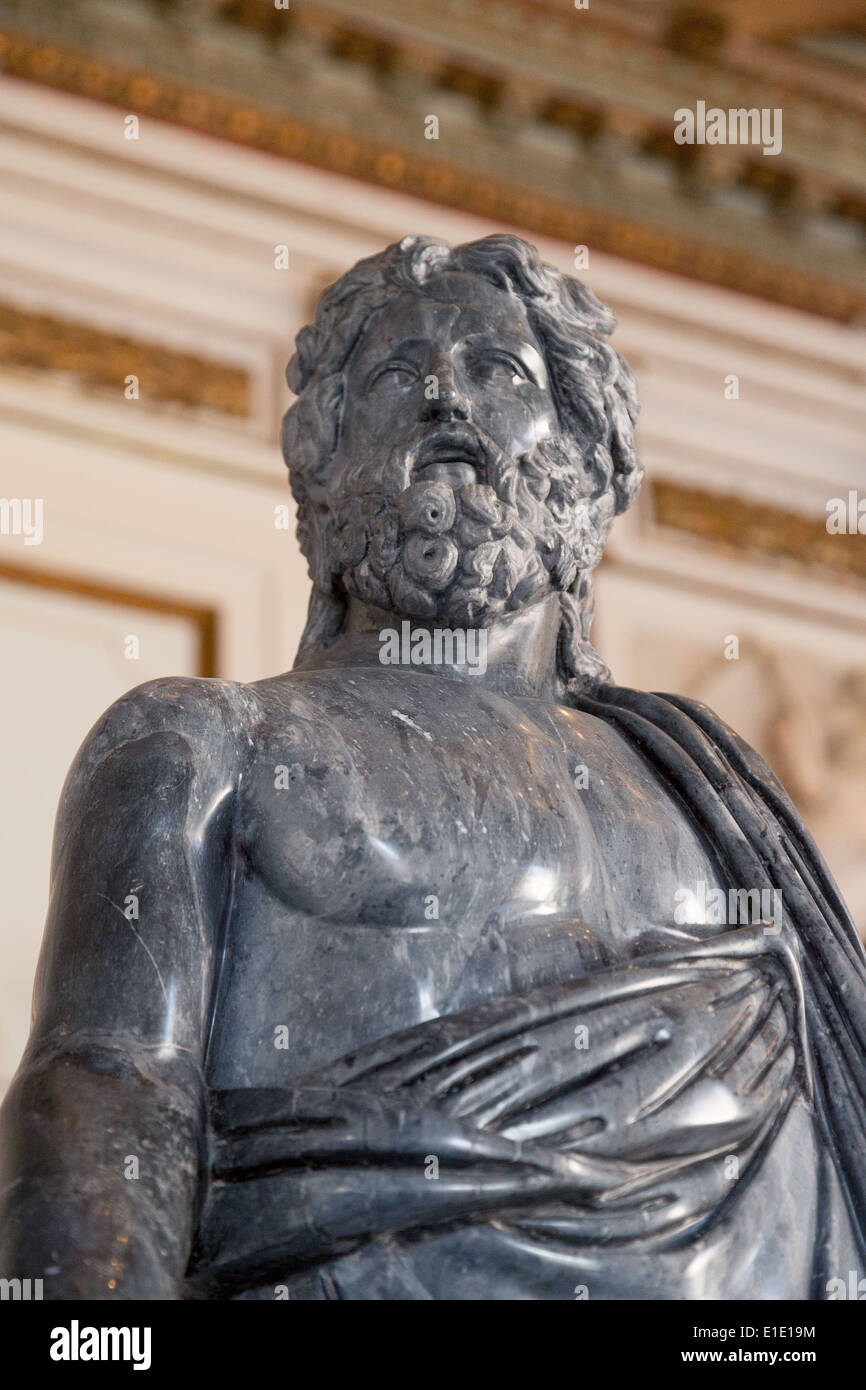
(461,441)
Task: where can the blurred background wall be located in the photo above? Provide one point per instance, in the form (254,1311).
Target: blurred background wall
(179,182)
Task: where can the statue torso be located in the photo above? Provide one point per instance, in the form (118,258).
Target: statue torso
(408,845)
(436,845)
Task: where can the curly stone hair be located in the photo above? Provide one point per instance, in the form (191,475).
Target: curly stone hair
(594,390)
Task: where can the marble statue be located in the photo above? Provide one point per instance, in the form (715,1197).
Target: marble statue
(440,967)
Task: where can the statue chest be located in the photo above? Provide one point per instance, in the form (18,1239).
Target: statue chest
(418,813)
(411,846)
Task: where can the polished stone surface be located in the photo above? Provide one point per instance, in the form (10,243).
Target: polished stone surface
(440,974)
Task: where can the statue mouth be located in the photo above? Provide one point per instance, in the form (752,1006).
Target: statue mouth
(454,456)
(455,472)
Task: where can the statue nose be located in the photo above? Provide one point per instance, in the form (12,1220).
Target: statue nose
(445,401)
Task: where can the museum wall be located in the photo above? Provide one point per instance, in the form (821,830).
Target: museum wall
(150,291)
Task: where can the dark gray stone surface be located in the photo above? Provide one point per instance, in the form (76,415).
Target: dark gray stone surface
(424,973)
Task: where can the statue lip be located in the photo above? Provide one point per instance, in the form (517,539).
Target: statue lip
(456,472)
(452,455)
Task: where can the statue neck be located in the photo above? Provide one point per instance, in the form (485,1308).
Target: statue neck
(515,656)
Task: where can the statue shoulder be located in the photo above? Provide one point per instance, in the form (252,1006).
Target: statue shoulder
(201,723)
(206,713)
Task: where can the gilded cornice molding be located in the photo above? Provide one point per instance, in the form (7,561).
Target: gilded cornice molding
(748,527)
(282,81)
(103,361)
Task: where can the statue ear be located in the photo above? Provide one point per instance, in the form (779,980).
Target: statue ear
(627,467)
(627,478)
(302,363)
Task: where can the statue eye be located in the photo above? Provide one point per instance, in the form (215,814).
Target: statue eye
(498,369)
(394,373)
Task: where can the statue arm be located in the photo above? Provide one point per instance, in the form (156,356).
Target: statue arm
(101,1130)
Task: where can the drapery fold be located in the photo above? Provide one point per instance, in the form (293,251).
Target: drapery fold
(761,841)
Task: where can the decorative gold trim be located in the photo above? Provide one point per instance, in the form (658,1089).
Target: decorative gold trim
(205,620)
(746,526)
(103,361)
(259,127)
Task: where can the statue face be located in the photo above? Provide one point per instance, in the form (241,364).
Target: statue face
(454,494)
(469,356)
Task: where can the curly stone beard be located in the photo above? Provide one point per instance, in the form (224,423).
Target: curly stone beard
(465,554)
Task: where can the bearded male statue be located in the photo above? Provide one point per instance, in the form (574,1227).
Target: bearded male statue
(409,1009)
